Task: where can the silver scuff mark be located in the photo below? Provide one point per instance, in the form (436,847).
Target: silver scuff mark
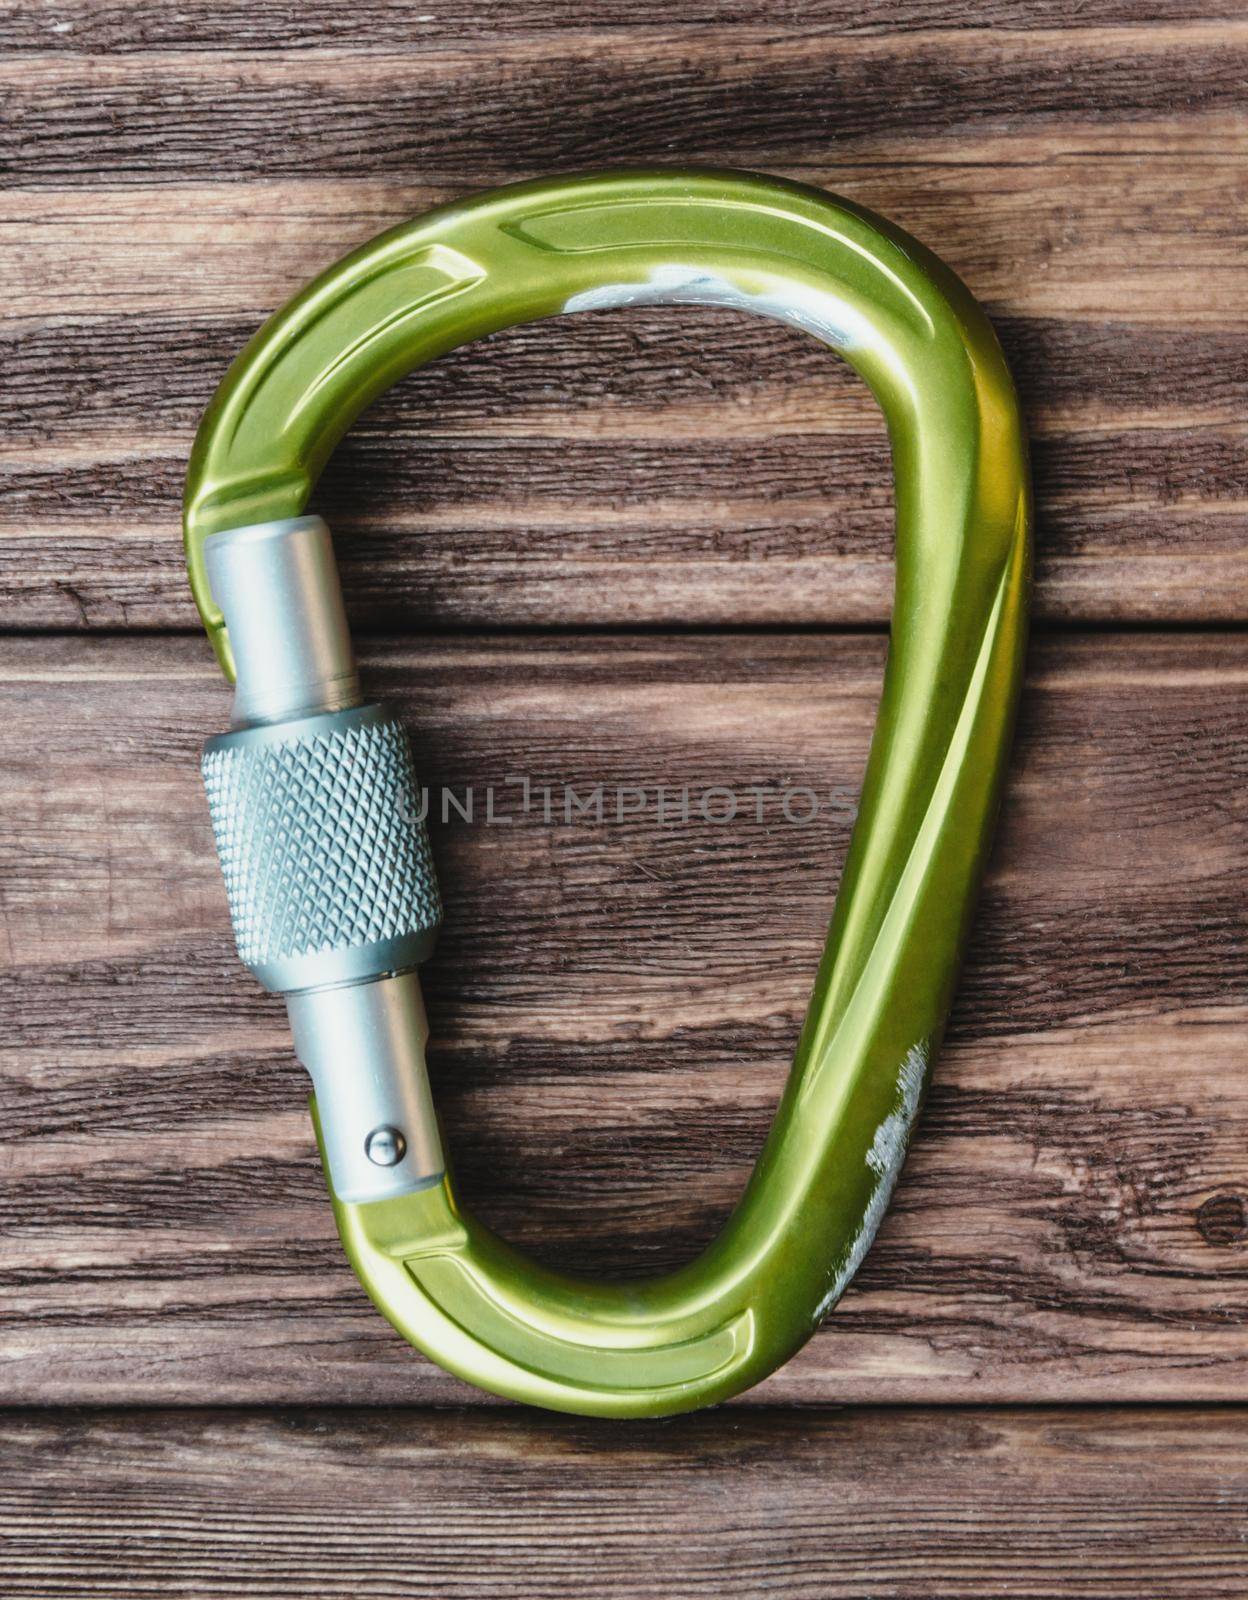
(800,306)
(885,1157)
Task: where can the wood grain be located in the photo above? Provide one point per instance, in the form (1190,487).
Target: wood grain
(1151,235)
(176,173)
(551,101)
(806,1505)
(716,471)
(235,26)
(614,1007)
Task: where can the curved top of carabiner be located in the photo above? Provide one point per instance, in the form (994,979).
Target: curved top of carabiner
(880,1000)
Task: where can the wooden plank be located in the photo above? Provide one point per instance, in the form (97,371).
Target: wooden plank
(1155,236)
(657,467)
(487,535)
(806,1505)
(749,94)
(614,1006)
(237,26)
(1084,172)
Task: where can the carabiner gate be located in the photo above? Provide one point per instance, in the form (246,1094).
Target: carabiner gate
(315,802)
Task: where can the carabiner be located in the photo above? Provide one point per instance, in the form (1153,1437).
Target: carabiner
(314,796)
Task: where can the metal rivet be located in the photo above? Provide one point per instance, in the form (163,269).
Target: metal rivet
(385,1147)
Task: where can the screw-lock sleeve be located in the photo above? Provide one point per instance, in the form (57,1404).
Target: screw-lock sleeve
(319,827)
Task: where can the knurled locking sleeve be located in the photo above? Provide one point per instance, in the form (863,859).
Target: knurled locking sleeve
(319,827)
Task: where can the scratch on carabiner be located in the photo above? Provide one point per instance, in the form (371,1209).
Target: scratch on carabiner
(887,1152)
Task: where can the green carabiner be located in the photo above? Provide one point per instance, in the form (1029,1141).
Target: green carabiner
(309,897)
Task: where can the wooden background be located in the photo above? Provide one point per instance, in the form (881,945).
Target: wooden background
(646,547)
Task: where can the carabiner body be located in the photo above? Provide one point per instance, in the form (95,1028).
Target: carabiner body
(330,878)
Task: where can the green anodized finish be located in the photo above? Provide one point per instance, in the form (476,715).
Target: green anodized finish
(933,779)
